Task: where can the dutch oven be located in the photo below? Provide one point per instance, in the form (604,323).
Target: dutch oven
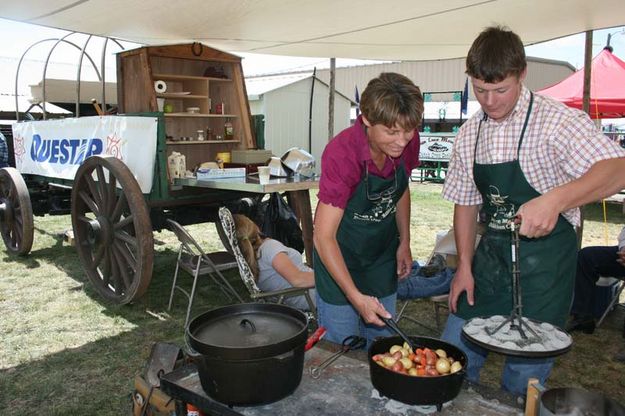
(416,390)
(573,401)
(249,354)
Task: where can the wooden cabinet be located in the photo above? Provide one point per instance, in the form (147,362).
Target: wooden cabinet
(204,90)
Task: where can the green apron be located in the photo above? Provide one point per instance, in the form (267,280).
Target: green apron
(368,239)
(547,264)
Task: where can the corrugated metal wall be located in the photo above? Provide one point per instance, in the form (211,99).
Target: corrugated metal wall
(286,117)
(441,75)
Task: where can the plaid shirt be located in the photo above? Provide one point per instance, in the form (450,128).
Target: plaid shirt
(4,152)
(560,145)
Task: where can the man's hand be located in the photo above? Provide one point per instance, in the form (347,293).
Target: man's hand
(538,216)
(462,282)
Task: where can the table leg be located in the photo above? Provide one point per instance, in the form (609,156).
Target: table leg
(300,202)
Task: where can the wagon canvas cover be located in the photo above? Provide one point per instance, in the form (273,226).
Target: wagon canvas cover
(56,148)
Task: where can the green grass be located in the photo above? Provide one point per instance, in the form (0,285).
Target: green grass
(65,351)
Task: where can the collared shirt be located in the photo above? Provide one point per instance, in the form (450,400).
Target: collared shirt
(560,145)
(4,152)
(343,162)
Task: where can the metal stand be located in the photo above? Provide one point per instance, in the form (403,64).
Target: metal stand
(516,315)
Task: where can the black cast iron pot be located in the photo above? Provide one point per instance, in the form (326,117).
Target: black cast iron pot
(412,389)
(249,354)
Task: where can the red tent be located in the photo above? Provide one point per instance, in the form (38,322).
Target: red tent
(607,87)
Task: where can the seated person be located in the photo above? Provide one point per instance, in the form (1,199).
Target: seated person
(592,263)
(274,265)
(426,281)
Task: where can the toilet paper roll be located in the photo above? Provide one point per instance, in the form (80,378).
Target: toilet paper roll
(160,86)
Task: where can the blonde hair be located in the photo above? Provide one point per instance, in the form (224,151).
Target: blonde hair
(249,239)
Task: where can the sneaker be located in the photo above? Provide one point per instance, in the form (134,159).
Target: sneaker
(584,324)
(436,265)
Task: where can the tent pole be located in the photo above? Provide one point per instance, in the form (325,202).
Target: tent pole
(586,108)
(331,99)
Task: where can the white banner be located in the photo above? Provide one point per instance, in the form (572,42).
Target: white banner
(56,148)
(436,148)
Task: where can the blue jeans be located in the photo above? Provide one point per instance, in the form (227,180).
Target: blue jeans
(516,372)
(417,286)
(341,321)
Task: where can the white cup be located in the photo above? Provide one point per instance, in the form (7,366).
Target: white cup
(263,174)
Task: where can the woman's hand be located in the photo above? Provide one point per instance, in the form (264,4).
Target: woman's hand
(370,308)
(404,261)
(462,282)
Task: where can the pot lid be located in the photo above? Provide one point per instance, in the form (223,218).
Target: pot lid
(247,326)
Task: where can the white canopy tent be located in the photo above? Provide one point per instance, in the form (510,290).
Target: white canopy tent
(399,30)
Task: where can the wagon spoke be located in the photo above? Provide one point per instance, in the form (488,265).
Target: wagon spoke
(111,194)
(90,203)
(122,265)
(99,255)
(116,273)
(127,238)
(128,255)
(123,223)
(93,189)
(101,186)
(119,206)
(106,268)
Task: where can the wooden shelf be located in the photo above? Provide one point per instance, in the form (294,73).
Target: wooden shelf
(172,77)
(174,96)
(200,115)
(201,142)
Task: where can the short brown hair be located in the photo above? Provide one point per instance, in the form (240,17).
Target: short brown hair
(392,99)
(496,54)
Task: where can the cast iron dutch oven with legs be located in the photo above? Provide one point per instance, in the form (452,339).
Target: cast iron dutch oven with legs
(416,390)
(249,354)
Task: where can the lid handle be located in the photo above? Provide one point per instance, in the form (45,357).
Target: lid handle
(245,322)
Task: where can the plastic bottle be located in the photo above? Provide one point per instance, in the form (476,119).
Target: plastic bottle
(228,130)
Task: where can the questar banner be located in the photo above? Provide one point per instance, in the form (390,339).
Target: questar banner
(56,148)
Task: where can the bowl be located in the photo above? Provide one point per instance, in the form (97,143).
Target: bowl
(193,110)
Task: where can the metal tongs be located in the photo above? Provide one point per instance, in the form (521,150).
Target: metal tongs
(352,342)
(516,315)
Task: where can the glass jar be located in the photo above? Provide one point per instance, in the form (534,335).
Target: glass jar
(200,135)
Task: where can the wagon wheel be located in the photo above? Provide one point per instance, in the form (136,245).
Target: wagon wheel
(16,213)
(112,229)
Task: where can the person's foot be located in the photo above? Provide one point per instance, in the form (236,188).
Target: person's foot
(620,356)
(581,323)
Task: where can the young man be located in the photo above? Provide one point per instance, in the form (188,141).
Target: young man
(526,157)
(362,236)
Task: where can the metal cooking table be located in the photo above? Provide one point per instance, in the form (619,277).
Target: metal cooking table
(344,389)
(296,189)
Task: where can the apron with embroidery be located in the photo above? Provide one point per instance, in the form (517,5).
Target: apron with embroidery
(368,239)
(547,264)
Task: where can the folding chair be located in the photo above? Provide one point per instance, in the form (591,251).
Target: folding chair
(227,233)
(609,281)
(439,302)
(193,260)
